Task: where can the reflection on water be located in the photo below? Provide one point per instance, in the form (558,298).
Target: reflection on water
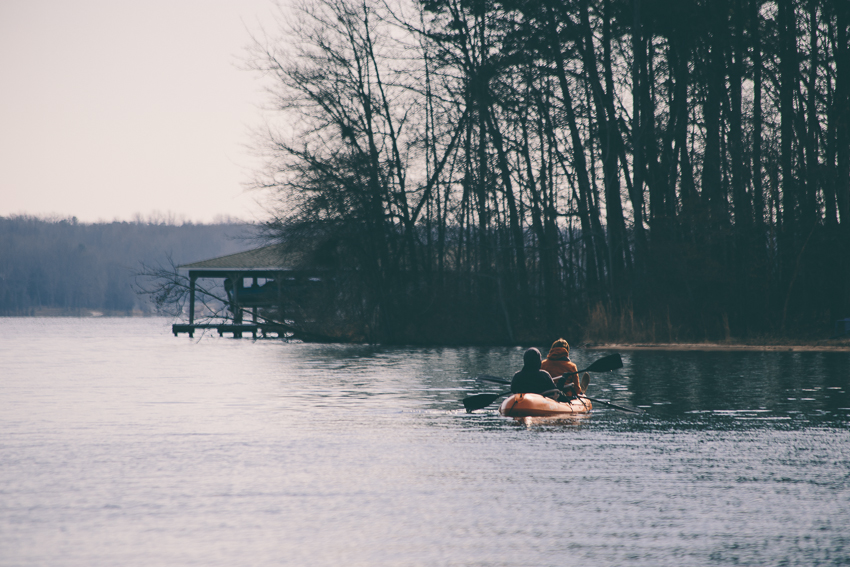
(122,445)
(783,385)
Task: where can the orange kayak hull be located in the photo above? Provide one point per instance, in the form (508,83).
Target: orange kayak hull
(535,405)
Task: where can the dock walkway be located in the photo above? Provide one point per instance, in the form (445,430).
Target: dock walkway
(264,329)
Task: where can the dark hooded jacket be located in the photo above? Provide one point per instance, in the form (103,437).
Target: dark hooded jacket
(531,380)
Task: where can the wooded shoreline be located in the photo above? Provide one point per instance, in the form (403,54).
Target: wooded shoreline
(773,345)
(606,170)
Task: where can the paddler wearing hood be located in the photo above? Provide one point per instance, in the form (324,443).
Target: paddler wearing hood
(531,379)
(558,363)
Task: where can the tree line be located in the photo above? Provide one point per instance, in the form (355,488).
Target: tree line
(64,267)
(503,171)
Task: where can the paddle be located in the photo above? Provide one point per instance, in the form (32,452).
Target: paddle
(615,406)
(604,364)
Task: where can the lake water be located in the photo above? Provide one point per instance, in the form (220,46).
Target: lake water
(123,445)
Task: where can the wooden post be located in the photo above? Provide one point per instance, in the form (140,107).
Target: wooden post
(279,280)
(192,278)
(237,309)
(254,310)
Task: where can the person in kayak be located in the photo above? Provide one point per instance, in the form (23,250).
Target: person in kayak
(562,370)
(531,379)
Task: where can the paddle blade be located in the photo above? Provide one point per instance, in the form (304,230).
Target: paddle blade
(479,401)
(606,363)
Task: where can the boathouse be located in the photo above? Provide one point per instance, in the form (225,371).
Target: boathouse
(260,279)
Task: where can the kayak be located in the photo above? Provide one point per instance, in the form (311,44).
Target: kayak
(535,405)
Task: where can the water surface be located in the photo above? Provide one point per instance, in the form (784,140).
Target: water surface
(123,445)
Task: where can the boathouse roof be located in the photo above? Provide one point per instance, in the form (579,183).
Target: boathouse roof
(274,257)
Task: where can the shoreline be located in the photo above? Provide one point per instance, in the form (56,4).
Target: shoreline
(841,345)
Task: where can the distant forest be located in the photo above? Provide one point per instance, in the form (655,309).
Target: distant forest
(62,267)
(509,171)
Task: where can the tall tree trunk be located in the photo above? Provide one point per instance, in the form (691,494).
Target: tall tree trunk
(830,150)
(842,105)
(842,137)
(712,176)
(615,133)
(482,181)
(638,54)
(655,180)
(758,189)
(546,247)
(680,56)
(740,199)
(616,224)
(668,164)
(513,214)
(594,255)
(811,213)
(788,74)
(792,235)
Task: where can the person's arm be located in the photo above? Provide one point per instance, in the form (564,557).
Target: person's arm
(570,379)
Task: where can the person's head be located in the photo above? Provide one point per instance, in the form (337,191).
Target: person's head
(560,350)
(531,359)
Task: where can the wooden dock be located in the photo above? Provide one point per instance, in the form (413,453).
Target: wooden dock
(257,283)
(262,329)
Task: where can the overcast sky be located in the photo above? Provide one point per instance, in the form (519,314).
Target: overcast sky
(109,108)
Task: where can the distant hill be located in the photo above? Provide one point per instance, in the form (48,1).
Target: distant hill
(62,267)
